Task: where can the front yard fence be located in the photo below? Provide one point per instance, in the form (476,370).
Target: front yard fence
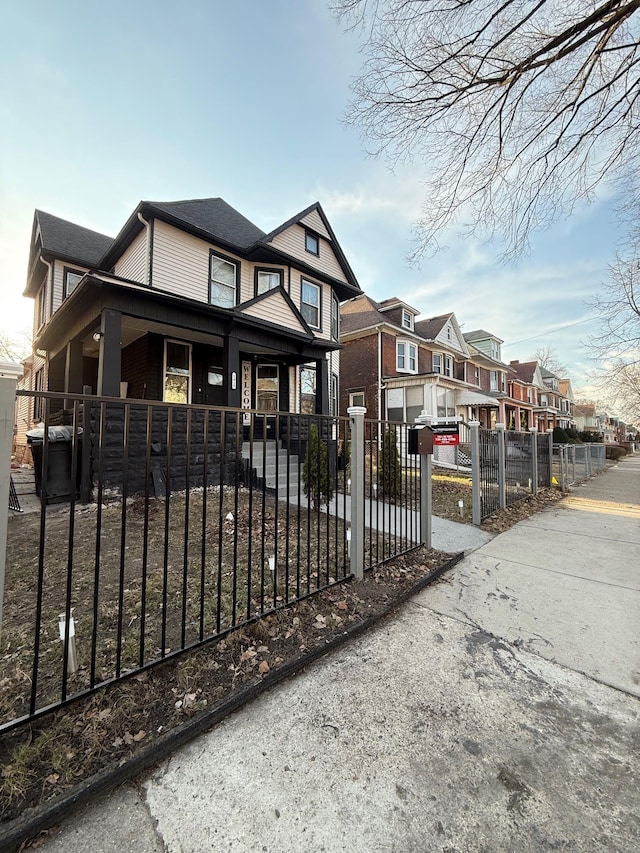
(163,526)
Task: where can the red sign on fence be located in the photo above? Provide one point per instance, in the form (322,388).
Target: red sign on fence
(446,440)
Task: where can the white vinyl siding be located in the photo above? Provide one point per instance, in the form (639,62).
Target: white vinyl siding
(292,242)
(181,264)
(275,309)
(449,336)
(132,264)
(325,316)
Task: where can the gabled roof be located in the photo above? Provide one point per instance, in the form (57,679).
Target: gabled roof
(525,370)
(548,374)
(213,216)
(481,335)
(360,313)
(66,240)
(431,328)
(395,302)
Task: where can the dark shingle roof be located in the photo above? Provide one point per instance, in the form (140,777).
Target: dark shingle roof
(360,313)
(429,329)
(480,335)
(215,217)
(67,240)
(524,370)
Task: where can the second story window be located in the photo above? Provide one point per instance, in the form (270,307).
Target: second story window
(222,282)
(310,303)
(267,280)
(406,357)
(494,380)
(436,363)
(311,243)
(335,318)
(407,320)
(71,280)
(448,366)
(42,303)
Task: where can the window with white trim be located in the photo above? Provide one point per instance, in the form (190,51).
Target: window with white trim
(493,380)
(448,366)
(407,319)
(356,398)
(222,281)
(333,397)
(495,350)
(310,303)
(406,357)
(436,362)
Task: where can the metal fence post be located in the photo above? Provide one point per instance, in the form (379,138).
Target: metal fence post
(502,466)
(474,429)
(534,460)
(9,375)
(426,491)
(356,422)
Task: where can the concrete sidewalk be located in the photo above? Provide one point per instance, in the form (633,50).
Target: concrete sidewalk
(479,718)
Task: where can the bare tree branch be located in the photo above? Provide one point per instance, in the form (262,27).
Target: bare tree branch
(519,108)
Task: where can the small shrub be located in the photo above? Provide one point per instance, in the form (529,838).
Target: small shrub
(316,474)
(390,463)
(613,451)
(573,435)
(560,436)
(590,437)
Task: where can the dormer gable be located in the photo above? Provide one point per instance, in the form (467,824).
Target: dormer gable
(275,307)
(399,312)
(445,331)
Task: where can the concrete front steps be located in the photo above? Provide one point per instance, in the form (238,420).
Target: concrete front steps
(271,463)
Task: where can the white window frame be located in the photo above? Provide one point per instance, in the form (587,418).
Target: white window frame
(436,359)
(354,398)
(335,317)
(164,368)
(407,320)
(68,273)
(448,366)
(223,284)
(303,304)
(409,354)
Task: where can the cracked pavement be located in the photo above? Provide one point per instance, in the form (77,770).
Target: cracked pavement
(499,710)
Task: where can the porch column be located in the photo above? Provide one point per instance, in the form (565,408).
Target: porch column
(110,360)
(73,369)
(231,367)
(322,386)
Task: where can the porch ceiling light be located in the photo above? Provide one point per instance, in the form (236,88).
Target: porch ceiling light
(96,336)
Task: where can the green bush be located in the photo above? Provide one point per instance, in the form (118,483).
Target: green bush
(316,474)
(390,464)
(560,436)
(573,435)
(591,437)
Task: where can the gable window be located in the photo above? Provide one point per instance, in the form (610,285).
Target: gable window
(448,333)
(335,318)
(267,280)
(311,243)
(70,282)
(177,372)
(222,281)
(310,303)
(406,357)
(436,362)
(407,320)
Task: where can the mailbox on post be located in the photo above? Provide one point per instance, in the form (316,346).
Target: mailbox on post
(420,440)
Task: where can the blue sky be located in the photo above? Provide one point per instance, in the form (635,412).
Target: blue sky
(107,104)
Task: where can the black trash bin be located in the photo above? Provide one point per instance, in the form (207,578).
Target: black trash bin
(59,483)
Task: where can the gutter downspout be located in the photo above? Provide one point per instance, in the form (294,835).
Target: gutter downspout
(147,225)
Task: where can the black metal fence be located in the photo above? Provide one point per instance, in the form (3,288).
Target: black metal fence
(518,471)
(489,492)
(163,526)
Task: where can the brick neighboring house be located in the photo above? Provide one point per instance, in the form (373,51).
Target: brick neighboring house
(192,303)
(398,366)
